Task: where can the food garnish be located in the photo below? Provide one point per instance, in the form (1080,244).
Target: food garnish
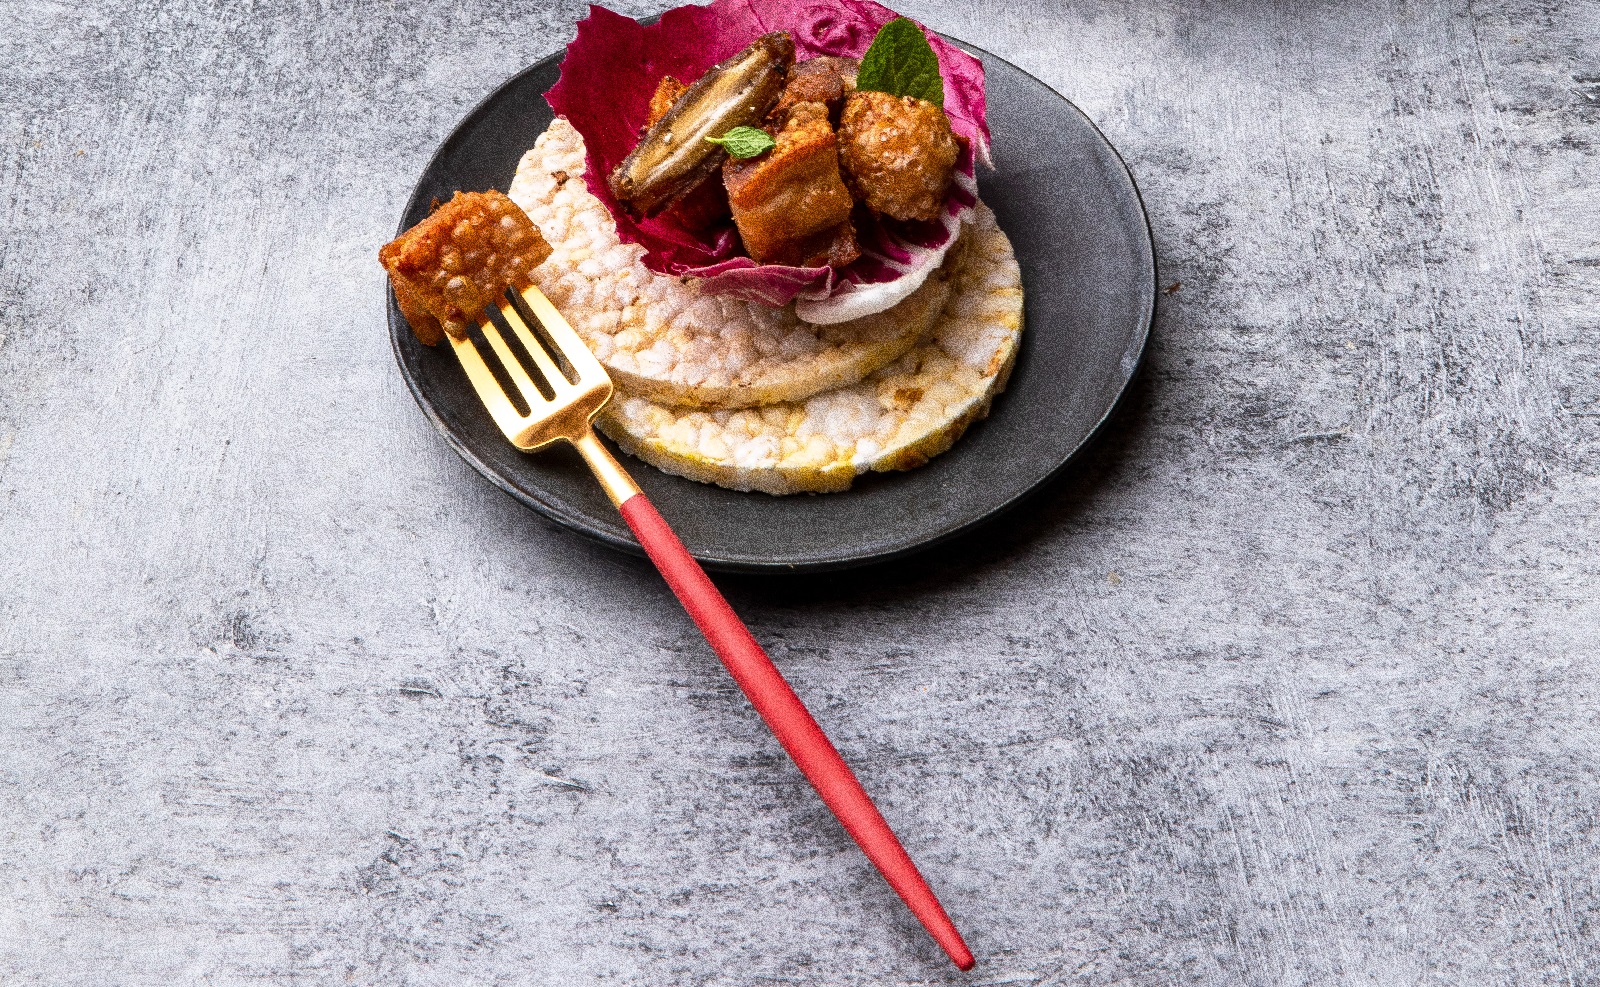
(900,62)
(745,142)
(674,155)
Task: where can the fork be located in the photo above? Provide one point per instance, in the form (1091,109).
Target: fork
(576,387)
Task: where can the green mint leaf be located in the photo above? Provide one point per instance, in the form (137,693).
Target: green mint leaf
(745,142)
(902,63)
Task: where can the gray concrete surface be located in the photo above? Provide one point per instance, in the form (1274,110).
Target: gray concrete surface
(1292,682)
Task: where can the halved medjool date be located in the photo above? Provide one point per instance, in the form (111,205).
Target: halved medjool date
(674,156)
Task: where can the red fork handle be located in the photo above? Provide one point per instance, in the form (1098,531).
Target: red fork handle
(791,722)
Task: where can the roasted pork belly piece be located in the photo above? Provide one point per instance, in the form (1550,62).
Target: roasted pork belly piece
(825,80)
(898,153)
(668,91)
(448,267)
(790,204)
(702,207)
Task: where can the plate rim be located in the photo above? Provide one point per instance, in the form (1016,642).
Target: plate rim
(581,526)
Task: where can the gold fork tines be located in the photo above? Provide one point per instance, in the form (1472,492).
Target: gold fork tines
(567,412)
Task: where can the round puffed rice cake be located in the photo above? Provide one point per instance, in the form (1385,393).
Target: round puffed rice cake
(896,419)
(659,337)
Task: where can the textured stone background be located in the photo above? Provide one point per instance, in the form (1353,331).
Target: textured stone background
(1292,682)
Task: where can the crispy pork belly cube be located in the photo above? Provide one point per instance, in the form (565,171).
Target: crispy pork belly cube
(705,205)
(825,80)
(668,91)
(898,153)
(840,244)
(790,204)
(448,267)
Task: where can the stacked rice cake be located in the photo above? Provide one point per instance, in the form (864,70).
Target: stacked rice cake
(753,398)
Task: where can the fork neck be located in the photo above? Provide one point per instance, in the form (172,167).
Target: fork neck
(619,486)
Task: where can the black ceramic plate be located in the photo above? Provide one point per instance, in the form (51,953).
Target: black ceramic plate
(1088,271)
